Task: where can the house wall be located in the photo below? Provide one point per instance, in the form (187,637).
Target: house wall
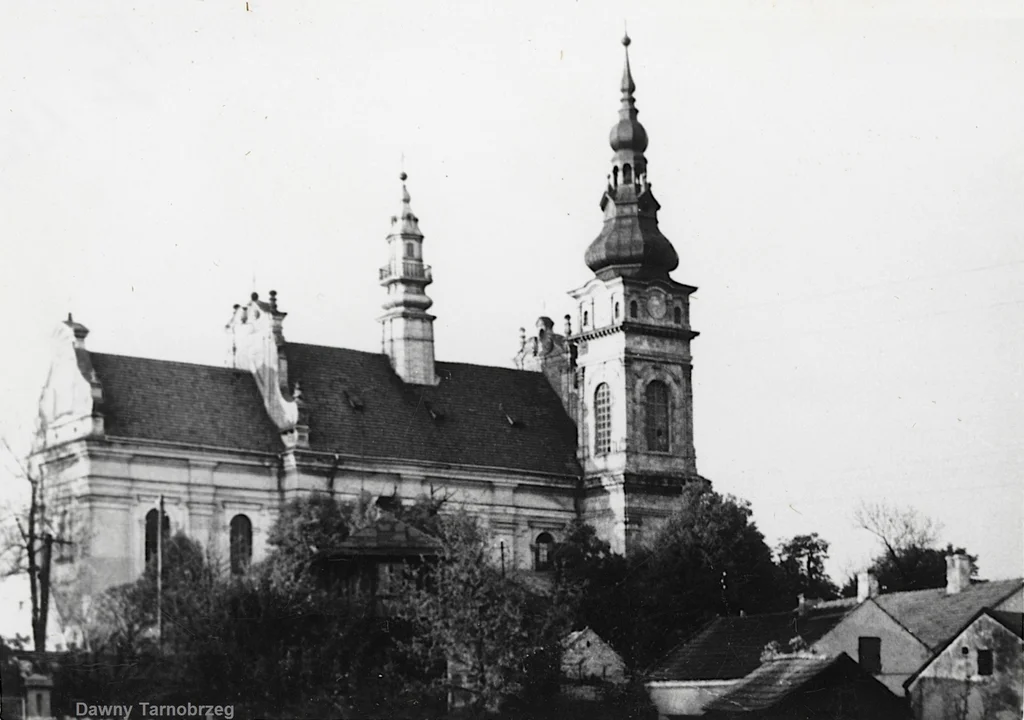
(951,689)
(591,657)
(688,697)
(902,653)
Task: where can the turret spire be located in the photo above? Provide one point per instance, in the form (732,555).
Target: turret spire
(408,334)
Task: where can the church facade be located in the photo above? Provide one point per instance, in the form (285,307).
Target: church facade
(593,422)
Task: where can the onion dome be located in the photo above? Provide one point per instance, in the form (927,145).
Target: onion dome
(630,243)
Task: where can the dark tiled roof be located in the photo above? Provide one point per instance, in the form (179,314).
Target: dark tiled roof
(357,405)
(476,416)
(1012,621)
(934,617)
(388,537)
(730,647)
(183,403)
(802,675)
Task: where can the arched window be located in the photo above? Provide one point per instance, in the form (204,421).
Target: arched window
(241,544)
(627,174)
(542,551)
(632,309)
(656,402)
(677,315)
(602,419)
(586,318)
(616,311)
(151,537)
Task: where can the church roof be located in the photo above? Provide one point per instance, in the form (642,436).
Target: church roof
(476,416)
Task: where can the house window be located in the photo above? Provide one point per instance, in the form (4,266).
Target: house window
(656,403)
(542,551)
(984,662)
(241,544)
(869,654)
(602,419)
(677,315)
(633,309)
(151,536)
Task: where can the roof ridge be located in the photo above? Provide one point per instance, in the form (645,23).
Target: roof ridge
(145,358)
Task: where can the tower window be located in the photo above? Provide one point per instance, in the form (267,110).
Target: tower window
(410,250)
(677,315)
(632,309)
(984,662)
(627,174)
(586,318)
(151,536)
(616,311)
(656,402)
(542,551)
(241,544)
(602,419)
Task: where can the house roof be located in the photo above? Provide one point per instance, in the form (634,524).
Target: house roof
(476,416)
(387,536)
(933,616)
(730,647)
(1012,621)
(781,677)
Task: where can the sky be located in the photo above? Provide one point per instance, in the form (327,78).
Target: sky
(842,181)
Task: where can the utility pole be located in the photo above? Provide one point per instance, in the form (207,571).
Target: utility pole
(160,577)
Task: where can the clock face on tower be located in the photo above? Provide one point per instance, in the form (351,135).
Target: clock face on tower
(656,306)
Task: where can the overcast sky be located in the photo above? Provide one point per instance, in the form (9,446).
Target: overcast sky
(843,183)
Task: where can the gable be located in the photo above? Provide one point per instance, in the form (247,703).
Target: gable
(901,650)
(984,632)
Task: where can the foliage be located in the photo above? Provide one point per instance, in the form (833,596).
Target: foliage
(802,565)
(478,625)
(909,560)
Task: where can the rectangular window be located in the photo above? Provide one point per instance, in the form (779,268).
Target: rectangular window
(869,654)
(984,662)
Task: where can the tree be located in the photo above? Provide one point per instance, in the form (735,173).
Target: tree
(709,558)
(469,617)
(802,564)
(909,560)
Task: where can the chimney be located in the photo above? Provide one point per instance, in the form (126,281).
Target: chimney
(958,573)
(867,586)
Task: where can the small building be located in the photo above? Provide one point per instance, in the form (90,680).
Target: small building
(805,685)
(590,662)
(978,674)
(893,635)
(728,649)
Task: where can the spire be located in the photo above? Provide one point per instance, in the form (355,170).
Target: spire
(407,222)
(408,334)
(630,243)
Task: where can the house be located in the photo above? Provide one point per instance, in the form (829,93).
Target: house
(589,663)
(370,560)
(805,686)
(978,674)
(893,635)
(594,422)
(728,649)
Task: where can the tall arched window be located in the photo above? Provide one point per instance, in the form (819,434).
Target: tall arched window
(678,315)
(656,402)
(602,419)
(410,250)
(632,309)
(616,311)
(241,544)
(151,537)
(542,551)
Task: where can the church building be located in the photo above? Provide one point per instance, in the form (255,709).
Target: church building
(594,421)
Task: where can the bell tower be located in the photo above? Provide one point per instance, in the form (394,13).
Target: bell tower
(407,329)
(633,363)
